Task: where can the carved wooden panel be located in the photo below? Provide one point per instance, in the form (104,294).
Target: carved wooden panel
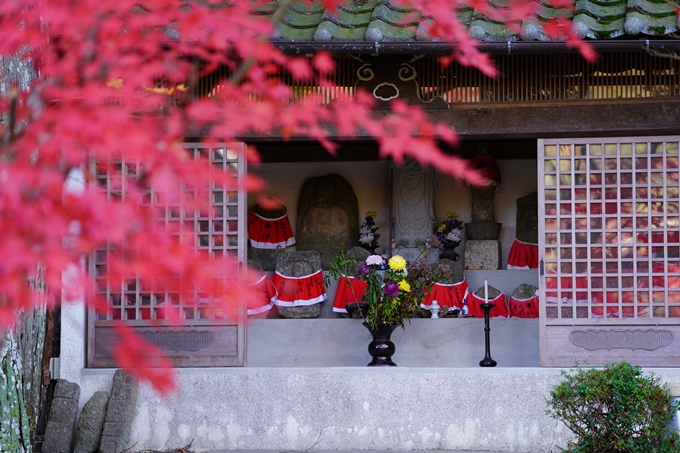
(185,346)
(640,345)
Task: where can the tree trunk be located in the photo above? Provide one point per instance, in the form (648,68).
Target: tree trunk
(21,381)
(15,432)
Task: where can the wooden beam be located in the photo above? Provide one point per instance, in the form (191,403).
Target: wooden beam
(625,117)
(566,119)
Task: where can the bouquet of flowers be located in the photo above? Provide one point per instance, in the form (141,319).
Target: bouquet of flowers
(396,296)
(449,233)
(368,233)
(389,297)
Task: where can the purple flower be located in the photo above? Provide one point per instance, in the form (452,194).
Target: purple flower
(392,289)
(363,269)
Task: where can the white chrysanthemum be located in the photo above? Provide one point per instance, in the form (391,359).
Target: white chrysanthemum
(454,236)
(366,238)
(374,260)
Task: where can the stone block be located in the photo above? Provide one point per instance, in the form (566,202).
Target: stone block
(527,219)
(91,423)
(66,389)
(484,253)
(119,414)
(327,217)
(524,291)
(62,418)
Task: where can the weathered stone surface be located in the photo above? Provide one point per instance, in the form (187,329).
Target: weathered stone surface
(300,312)
(91,423)
(457,272)
(299,264)
(359,254)
(119,413)
(327,218)
(493,292)
(66,389)
(483,225)
(524,291)
(266,258)
(483,253)
(413,196)
(527,218)
(62,418)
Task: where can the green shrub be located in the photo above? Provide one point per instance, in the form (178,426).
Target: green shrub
(615,409)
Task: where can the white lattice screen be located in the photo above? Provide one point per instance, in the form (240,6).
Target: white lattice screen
(219,233)
(609,245)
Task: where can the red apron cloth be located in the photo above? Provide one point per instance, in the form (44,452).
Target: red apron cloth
(294,291)
(266,295)
(452,295)
(350,289)
(524,308)
(499,311)
(523,255)
(269,233)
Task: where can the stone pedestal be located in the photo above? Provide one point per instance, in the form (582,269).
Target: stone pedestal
(485,253)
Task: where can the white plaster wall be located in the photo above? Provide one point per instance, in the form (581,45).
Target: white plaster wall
(370,181)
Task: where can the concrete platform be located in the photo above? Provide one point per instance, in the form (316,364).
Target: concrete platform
(352,451)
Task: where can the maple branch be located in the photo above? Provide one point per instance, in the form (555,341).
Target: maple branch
(242,70)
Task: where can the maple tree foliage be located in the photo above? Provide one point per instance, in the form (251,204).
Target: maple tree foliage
(115,80)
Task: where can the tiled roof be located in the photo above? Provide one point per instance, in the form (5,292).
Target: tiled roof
(382,21)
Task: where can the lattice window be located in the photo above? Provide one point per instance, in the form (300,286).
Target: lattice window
(142,304)
(610,241)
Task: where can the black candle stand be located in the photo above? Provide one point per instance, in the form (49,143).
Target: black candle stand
(487,361)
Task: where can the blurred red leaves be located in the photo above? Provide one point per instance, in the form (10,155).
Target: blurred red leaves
(113,82)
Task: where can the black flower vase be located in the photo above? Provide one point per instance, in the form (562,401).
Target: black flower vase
(449,253)
(381,348)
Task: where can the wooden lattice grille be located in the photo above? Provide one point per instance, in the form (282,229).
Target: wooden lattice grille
(522,78)
(609,245)
(543,78)
(193,330)
(216,234)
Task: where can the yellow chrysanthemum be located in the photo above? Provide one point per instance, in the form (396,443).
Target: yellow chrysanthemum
(370,213)
(452,215)
(404,286)
(442,228)
(397,263)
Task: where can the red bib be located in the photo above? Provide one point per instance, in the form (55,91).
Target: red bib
(499,310)
(523,255)
(270,233)
(266,295)
(449,294)
(350,289)
(524,308)
(294,291)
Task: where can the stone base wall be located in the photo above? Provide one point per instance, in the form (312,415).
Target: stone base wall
(314,390)
(352,408)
